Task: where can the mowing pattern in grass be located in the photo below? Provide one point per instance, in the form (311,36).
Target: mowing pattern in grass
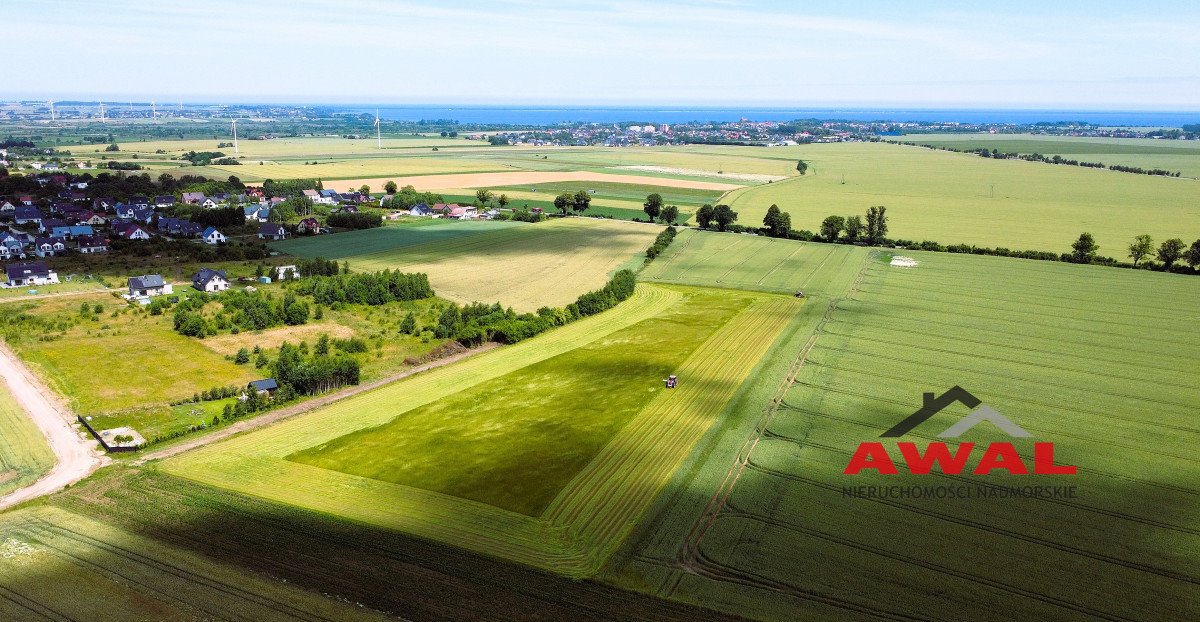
(24,455)
(1099,361)
(591,515)
(522,265)
(558,413)
(46,553)
(749,262)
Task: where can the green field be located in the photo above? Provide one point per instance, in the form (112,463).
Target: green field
(522,265)
(628,193)
(1147,153)
(56,565)
(1098,361)
(585,520)
(749,262)
(24,454)
(557,413)
(962,198)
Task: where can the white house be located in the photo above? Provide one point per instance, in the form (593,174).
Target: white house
(33,273)
(212,236)
(148,285)
(208,280)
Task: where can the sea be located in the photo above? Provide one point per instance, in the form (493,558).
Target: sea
(552,115)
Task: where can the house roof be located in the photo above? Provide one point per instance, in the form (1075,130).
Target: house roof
(207,274)
(146,281)
(33,268)
(266,384)
(89,241)
(271,228)
(211,230)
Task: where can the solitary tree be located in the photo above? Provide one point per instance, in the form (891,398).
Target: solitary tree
(802,166)
(390,187)
(704,216)
(243,357)
(653,206)
(1170,251)
(1084,249)
(364,189)
(854,228)
(1192,257)
(670,214)
(777,223)
(831,227)
(502,200)
(724,216)
(483,196)
(1142,245)
(408,325)
(563,202)
(581,201)
(877,227)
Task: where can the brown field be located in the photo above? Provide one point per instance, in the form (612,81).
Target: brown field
(229,344)
(483,180)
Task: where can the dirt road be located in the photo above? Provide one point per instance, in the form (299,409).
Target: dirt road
(77,454)
(303,407)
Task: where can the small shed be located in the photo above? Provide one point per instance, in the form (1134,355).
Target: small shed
(266,386)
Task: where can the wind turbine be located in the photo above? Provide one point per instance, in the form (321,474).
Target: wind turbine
(153,110)
(235,147)
(101,111)
(51,102)
(378,138)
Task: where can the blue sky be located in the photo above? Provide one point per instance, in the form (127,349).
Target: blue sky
(1062,53)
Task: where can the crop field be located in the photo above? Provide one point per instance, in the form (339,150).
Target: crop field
(632,194)
(389,237)
(1172,155)
(525,266)
(534,178)
(954,197)
(1097,360)
(24,454)
(55,565)
(749,262)
(622,458)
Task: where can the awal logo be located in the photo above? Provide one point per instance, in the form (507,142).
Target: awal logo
(998,456)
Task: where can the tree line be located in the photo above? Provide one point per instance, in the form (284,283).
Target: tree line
(1037,157)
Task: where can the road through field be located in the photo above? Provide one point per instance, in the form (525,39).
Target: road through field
(76,456)
(484,180)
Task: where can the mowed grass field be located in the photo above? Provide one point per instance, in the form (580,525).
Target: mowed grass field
(609,463)
(522,265)
(953,197)
(1099,361)
(24,454)
(56,565)
(1171,155)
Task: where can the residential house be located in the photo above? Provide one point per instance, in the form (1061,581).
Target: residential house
(124,210)
(49,247)
(71,231)
(421,209)
(212,236)
(32,273)
(92,218)
(27,215)
(139,201)
(327,197)
(164,200)
(348,209)
(103,204)
(309,226)
(490,214)
(7,207)
(266,386)
(48,224)
(209,203)
(131,231)
(209,280)
(148,285)
(312,195)
(272,231)
(193,198)
(255,212)
(289,271)
(92,244)
(25,199)
(11,246)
